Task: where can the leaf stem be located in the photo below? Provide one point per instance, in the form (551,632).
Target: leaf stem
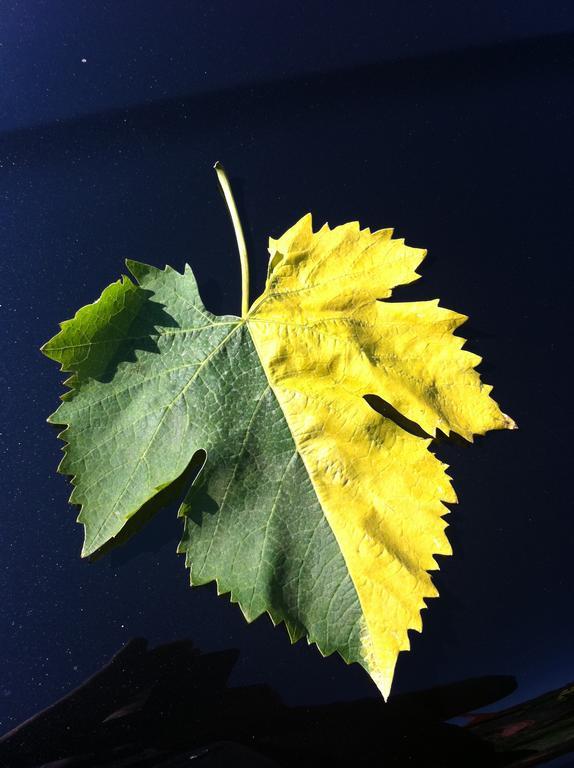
(238,229)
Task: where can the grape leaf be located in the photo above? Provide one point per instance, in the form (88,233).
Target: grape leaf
(310,505)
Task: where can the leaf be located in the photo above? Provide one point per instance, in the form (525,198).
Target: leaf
(310,506)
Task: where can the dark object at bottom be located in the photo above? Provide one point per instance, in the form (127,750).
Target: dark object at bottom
(169,705)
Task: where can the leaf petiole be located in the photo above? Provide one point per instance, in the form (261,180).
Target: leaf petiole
(228,195)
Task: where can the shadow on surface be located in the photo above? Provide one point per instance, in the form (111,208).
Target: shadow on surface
(386,409)
(167,705)
(172,495)
(114,338)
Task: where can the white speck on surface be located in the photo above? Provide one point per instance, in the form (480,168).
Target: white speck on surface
(84,61)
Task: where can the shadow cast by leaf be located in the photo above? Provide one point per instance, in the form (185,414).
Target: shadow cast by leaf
(170,496)
(198,502)
(144,329)
(386,410)
(389,412)
(124,320)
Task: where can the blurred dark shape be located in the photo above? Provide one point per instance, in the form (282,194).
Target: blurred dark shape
(542,727)
(171,704)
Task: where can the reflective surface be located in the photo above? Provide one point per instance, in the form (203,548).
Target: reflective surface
(171,704)
(466,154)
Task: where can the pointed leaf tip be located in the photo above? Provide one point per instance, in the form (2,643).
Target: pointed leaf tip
(140,270)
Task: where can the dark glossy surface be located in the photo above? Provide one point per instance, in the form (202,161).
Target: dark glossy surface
(64,58)
(170,704)
(466,153)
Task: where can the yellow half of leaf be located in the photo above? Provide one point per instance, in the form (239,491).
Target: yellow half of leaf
(325,342)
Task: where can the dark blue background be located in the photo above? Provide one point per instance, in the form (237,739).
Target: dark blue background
(451,123)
